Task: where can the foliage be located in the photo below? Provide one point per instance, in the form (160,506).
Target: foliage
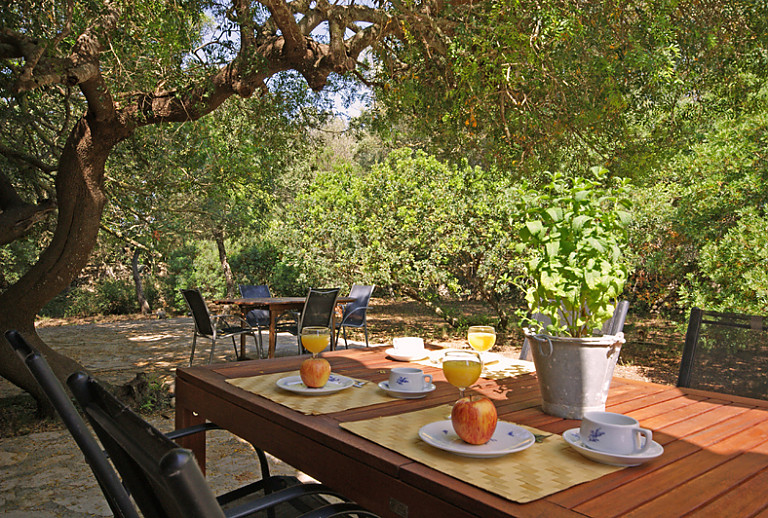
(554,84)
(414,223)
(264,263)
(577,230)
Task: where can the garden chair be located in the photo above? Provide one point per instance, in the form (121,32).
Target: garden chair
(354,314)
(613,326)
(117,497)
(216,327)
(317,311)
(166,481)
(725,352)
(163,478)
(257,318)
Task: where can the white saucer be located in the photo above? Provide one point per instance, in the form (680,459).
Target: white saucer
(573,438)
(507,438)
(384,385)
(406,357)
(489,358)
(335,383)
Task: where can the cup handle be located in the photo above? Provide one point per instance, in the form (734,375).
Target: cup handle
(648,439)
(427,380)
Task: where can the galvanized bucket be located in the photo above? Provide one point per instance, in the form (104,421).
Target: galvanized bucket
(574,373)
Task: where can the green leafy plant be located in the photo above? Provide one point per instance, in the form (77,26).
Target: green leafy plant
(576,232)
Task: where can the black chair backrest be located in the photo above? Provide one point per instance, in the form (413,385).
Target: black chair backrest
(116,495)
(319,306)
(257,317)
(251,291)
(200,313)
(353,315)
(726,352)
(616,323)
(163,478)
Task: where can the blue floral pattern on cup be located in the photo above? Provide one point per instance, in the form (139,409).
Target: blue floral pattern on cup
(594,435)
(402,380)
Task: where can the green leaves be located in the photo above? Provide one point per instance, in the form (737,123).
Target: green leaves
(576,231)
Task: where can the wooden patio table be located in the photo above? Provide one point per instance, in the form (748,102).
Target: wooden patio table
(715,461)
(276,306)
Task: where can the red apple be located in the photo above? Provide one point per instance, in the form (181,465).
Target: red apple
(474,419)
(315,372)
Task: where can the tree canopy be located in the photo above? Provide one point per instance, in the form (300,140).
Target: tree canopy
(80,77)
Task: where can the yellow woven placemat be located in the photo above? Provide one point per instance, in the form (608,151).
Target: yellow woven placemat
(353,397)
(542,469)
(504,368)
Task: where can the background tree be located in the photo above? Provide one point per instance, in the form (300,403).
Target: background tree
(427,229)
(94,73)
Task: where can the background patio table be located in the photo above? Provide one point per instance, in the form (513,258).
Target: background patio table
(715,459)
(276,306)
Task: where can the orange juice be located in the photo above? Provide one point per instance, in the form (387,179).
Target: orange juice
(481,341)
(462,373)
(315,343)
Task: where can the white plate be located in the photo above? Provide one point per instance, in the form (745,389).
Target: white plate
(507,438)
(406,357)
(402,394)
(335,384)
(573,438)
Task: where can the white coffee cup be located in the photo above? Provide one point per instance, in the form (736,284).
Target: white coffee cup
(409,379)
(408,345)
(614,433)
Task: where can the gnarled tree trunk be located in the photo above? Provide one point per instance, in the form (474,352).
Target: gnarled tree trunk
(80,194)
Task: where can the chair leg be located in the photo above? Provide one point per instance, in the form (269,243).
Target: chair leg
(213,348)
(365,328)
(234,344)
(261,344)
(192,356)
(344,330)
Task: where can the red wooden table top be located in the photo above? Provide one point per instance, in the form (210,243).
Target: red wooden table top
(715,460)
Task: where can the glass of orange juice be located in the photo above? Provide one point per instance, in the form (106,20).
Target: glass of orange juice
(462,368)
(315,339)
(481,338)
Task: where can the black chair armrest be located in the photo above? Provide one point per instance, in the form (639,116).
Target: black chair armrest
(184,432)
(283,495)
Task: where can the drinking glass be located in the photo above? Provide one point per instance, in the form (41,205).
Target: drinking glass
(481,338)
(315,339)
(462,368)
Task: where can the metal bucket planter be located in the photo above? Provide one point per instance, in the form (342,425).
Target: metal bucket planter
(574,373)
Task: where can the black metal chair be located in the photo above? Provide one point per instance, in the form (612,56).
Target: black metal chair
(354,314)
(214,327)
(317,311)
(117,497)
(726,352)
(258,318)
(611,327)
(163,478)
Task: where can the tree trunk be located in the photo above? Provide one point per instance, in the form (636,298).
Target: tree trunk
(218,236)
(80,195)
(143,304)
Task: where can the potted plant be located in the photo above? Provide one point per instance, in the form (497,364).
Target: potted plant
(575,232)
